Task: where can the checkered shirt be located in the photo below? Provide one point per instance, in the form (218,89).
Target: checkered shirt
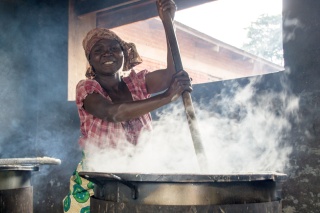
(103,133)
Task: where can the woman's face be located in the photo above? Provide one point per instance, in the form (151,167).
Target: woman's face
(106,57)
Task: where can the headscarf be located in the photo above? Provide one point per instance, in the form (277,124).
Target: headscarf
(131,56)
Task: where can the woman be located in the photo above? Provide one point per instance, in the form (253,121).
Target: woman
(112,108)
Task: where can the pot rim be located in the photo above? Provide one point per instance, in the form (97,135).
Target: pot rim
(183,178)
(19,168)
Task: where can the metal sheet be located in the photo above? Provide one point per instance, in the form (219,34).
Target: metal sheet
(29,161)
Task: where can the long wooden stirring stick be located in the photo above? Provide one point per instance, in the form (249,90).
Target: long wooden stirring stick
(186,97)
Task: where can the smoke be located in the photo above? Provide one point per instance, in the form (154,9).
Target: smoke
(291,25)
(243,129)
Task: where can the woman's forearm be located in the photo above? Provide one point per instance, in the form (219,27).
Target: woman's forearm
(126,111)
(99,107)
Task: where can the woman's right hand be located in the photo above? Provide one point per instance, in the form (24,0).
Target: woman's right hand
(180,82)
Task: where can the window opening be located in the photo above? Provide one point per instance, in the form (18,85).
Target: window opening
(219,40)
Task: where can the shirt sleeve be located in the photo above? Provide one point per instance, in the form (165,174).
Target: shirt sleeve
(87,87)
(138,80)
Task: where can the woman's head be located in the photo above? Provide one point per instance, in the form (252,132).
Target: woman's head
(106,57)
(131,56)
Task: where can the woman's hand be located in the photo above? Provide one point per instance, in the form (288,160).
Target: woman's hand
(166,6)
(180,82)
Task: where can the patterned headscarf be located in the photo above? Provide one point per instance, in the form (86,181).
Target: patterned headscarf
(131,56)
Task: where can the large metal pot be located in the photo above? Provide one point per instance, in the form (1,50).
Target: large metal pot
(15,176)
(16,192)
(186,189)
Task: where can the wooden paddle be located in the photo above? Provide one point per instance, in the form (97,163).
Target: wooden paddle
(186,97)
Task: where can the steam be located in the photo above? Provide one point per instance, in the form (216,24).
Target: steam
(242,129)
(249,134)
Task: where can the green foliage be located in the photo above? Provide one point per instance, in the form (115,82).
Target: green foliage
(265,38)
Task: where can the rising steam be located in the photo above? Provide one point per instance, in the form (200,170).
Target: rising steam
(242,132)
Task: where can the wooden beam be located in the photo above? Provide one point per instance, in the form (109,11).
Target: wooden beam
(84,7)
(126,15)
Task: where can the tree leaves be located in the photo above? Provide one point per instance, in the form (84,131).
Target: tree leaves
(265,38)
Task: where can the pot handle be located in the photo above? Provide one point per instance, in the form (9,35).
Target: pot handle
(134,189)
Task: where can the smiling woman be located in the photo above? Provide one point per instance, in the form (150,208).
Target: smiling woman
(115,109)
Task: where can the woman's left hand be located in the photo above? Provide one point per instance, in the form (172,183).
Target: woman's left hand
(166,5)
(180,82)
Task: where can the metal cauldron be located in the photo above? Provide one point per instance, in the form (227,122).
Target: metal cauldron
(16,176)
(140,191)
(16,191)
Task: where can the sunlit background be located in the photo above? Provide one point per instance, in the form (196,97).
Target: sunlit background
(228,20)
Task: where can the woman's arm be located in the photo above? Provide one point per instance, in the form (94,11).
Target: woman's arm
(160,80)
(98,106)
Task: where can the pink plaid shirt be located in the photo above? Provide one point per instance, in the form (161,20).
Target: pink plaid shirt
(104,133)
